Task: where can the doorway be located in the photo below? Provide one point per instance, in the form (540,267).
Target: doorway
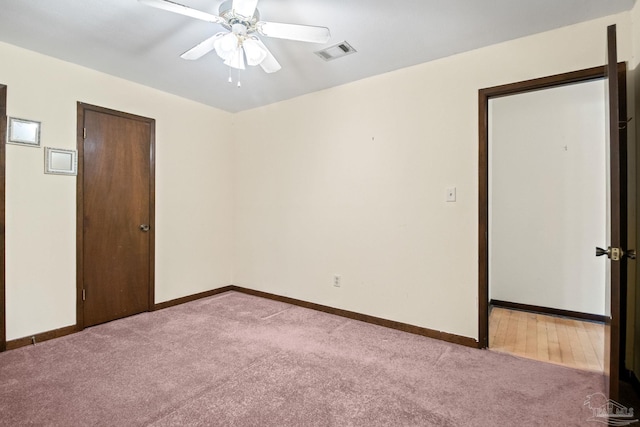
(613,363)
(547,213)
(115,215)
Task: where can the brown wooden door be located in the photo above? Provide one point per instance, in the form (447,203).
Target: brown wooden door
(616,289)
(116,215)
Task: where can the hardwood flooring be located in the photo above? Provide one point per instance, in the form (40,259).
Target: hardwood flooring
(570,342)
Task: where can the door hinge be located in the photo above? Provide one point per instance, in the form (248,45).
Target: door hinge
(623,124)
(84,133)
(84,295)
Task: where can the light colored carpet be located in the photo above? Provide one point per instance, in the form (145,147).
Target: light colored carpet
(240,360)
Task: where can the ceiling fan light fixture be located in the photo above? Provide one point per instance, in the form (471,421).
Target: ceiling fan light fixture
(254,52)
(236,59)
(242,19)
(226,45)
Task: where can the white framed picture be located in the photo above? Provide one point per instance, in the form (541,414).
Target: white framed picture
(58,161)
(23,132)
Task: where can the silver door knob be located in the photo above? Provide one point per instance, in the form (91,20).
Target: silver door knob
(616,254)
(144,227)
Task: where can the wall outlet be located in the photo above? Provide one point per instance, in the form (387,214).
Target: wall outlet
(337,279)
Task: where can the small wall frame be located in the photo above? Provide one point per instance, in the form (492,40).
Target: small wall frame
(58,161)
(23,132)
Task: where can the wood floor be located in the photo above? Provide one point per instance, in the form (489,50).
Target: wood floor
(564,341)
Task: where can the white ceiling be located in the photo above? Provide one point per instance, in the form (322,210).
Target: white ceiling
(142,44)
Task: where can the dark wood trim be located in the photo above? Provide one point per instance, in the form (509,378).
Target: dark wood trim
(548,310)
(152,214)
(562,79)
(483,173)
(193,297)
(81,108)
(80,216)
(43,336)
(483,218)
(404,327)
(3,138)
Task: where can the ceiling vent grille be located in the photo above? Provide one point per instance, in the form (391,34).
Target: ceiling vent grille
(336,51)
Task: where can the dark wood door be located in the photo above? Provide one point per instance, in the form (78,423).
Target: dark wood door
(116,215)
(616,290)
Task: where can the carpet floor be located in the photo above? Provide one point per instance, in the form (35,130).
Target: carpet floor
(239,360)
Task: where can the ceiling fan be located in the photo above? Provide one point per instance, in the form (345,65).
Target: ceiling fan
(240,42)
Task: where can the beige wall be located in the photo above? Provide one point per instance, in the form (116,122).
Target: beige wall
(352,180)
(193,189)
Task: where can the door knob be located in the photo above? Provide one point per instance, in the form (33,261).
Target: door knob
(144,227)
(616,253)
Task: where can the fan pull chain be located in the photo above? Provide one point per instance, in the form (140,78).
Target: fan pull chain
(239,84)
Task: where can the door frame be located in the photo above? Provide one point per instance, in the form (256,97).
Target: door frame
(81,108)
(3,135)
(484,95)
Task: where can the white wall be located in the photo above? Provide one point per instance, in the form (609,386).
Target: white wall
(352,181)
(193,189)
(548,197)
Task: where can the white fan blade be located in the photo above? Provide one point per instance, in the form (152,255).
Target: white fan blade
(245,8)
(303,33)
(183,10)
(269,64)
(202,48)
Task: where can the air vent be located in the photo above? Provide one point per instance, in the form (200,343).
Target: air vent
(336,51)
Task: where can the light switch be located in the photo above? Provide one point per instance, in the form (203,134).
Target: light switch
(451,194)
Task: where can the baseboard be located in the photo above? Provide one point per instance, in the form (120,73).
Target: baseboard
(43,336)
(193,297)
(443,336)
(57,333)
(431,333)
(548,310)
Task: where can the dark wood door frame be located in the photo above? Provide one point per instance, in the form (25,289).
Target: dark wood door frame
(81,108)
(484,95)
(3,133)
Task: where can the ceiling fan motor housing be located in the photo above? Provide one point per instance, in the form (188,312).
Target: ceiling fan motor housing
(227,13)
